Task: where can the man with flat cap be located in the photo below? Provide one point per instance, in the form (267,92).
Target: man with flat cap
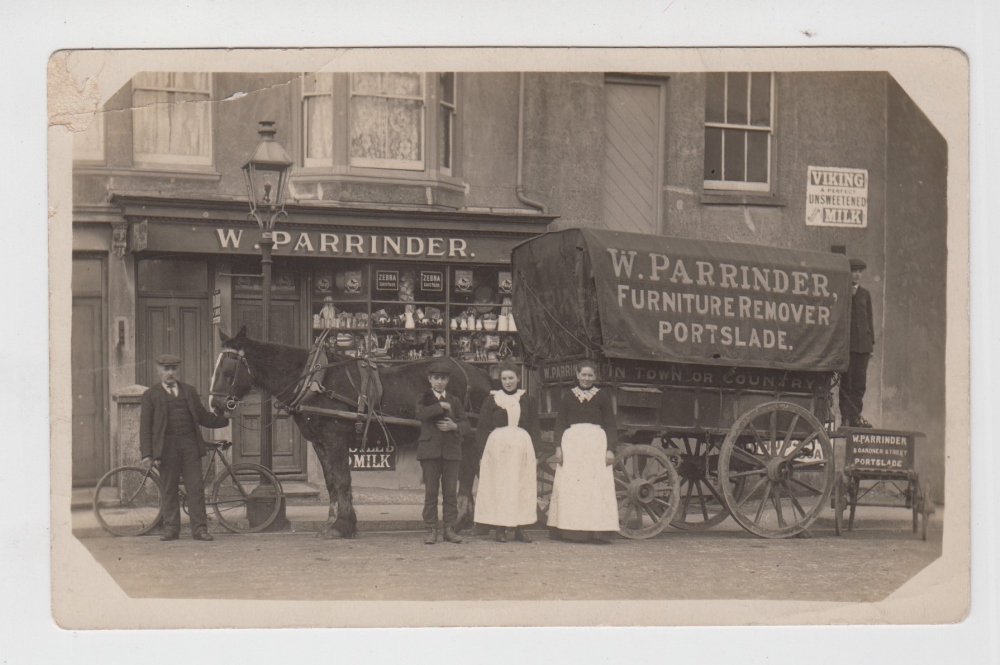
(169,433)
(443,425)
(854,382)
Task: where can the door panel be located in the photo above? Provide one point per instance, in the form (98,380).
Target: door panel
(288,446)
(632,143)
(178,326)
(90,445)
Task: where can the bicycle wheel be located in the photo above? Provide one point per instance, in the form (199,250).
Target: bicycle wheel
(127,501)
(246,498)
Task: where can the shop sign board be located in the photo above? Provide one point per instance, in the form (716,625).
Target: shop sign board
(389,245)
(837,197)
(881,451)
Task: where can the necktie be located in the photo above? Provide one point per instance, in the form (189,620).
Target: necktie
(173,390)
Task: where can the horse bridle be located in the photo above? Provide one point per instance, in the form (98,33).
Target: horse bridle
(232,401)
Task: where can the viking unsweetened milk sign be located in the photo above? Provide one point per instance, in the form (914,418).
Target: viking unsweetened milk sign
(837,197)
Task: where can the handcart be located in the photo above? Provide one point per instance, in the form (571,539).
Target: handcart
(721,358)
(879,471)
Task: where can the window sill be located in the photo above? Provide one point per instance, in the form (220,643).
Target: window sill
(393,177)
(158,172)
(718,197)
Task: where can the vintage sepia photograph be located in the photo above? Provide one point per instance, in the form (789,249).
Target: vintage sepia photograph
(498,337)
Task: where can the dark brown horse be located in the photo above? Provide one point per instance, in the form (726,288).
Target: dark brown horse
(245,363)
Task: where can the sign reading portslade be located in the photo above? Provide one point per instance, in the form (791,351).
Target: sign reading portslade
(837,197)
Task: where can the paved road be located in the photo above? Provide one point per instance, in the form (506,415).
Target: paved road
(864,565)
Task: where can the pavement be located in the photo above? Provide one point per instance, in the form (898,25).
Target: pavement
(387,510)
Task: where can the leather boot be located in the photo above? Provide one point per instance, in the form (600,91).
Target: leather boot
(521,535)
(501,534)
(450,536)
(431,537)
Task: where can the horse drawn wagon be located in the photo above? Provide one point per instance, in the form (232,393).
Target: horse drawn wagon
(721,359)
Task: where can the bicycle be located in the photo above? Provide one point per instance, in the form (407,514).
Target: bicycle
(245,497)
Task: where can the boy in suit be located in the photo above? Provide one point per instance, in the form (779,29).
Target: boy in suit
(169,433)
(443,424)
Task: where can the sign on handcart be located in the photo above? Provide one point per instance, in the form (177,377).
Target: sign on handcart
(882,451)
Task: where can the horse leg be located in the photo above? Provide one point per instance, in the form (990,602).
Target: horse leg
(345,523)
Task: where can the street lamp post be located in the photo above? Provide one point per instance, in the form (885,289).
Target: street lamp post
(266,176)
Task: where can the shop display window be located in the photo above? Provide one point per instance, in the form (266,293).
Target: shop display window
(407,311)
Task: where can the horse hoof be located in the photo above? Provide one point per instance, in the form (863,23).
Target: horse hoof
(329,533)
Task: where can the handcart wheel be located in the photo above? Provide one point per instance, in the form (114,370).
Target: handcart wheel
(785,457)
(926,508)
(916,502)
(701,504)
(852,498)
(648,490)
(840,502)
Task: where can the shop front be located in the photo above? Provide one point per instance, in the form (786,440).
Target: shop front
(391,287)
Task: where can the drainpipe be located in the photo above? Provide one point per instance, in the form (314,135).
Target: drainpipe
(520,153)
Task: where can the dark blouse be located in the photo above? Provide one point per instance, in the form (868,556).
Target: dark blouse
(492,416)
(598,410)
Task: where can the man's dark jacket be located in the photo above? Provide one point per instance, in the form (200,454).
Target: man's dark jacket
(862,325)
(433,443)
(153,418)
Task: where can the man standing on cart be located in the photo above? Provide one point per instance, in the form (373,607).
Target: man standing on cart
(853,383)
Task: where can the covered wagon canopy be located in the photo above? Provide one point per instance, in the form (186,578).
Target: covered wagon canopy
(609,294)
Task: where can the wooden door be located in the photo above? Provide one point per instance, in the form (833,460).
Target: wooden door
(89,368)
(633,154)
(288,446)
(178,326)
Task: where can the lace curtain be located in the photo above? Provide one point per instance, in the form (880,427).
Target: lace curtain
(171,117)
(387,119)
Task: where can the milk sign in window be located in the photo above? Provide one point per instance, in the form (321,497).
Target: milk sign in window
(837,197)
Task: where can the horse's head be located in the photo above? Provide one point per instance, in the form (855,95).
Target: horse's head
(231,378)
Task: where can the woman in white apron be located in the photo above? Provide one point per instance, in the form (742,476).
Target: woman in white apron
(583,506)
(508,432)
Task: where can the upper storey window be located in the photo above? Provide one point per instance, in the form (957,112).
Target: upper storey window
(379,120)
(171,119)
(739,128)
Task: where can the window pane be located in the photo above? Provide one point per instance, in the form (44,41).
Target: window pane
(713,153)
(177,275)
(735,148)
(760,99)
(404,129)
(736,100)
(757,156)
(319,127)
(365,84)
(368,123)
(445,136)
(189,124)
(87,276)
(448,87)
(317,83)
(399,84)
(715,97)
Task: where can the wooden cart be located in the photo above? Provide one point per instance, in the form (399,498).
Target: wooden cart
(721,359)
(879,471)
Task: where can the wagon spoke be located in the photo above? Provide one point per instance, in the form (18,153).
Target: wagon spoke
(760,508)
(660,478)
(621,467)
(620,481)
(715,492)
(760,441)
(749,458)
(776,499)
(774,431)
(802,444)
(747,474)
(701,500)
(649,511)
(795,502)
(687,498)
(657,499)
(807,486)
(791,433)
(752,491)
(810,463)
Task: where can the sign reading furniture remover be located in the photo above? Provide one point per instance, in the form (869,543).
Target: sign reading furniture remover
(837,197)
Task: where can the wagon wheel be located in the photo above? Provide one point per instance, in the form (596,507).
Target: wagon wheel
(839,503)
(786,458)
(701,504)
(648,491)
